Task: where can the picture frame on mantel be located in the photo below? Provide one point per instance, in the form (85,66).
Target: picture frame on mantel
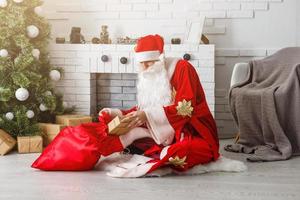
(194,31)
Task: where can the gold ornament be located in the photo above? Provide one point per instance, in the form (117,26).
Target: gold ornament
(177,162)
(184,108)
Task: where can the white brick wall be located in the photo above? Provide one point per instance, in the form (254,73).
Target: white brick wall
(118,14)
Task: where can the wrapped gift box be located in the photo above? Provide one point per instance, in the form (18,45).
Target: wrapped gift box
(72,120)
(118,126)
(50,131)
(6,142)
(30,144)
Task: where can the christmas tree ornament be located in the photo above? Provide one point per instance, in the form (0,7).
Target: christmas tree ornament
(18,1)
(30,114)
(22,94)
(65,104)
(55,75)
(48,93)
(38,10)
(43,107)
(32,31)
(9,116)
(3,3)
(3,53)
(36,53)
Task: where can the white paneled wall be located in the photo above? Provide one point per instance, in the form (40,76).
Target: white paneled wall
(240,29)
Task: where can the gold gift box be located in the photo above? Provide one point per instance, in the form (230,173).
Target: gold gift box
(118,126)
(6,142)
(72,120)
(50,131)
(30,144)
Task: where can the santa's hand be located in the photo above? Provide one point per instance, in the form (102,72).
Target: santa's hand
(136,118)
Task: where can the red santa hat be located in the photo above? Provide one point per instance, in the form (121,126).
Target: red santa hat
(149,48)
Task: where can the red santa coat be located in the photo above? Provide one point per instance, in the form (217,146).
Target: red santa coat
(185,132)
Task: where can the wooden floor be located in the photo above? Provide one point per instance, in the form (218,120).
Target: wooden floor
(274,180)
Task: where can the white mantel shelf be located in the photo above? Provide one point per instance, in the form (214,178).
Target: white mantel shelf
(81,63)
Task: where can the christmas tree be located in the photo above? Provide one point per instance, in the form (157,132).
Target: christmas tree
(27,93)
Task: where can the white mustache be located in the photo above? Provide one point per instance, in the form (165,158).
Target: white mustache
(152,70)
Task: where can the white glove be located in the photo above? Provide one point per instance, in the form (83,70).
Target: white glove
(113,112)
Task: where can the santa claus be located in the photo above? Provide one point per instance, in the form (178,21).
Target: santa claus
(171,127)
(171,111)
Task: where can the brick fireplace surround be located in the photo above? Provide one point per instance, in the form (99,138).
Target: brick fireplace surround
(91,84)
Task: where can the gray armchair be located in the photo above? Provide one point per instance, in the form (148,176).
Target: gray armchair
(239,74)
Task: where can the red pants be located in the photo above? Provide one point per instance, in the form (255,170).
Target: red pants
(195,150)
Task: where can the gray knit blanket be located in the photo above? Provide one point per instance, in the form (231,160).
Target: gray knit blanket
(266,108)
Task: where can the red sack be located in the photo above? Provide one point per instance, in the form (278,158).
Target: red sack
(74,148)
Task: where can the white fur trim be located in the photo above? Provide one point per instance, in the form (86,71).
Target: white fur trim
(122,160)
(134,134)
(108,163)
(129,166)
(147,56)
(125,166)
(158,124)
(162,57)
(164,152)
(160,172)
(221,165)
(116,112)
(133,172)
(171,65)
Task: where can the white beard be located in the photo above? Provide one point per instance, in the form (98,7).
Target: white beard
(154,88)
